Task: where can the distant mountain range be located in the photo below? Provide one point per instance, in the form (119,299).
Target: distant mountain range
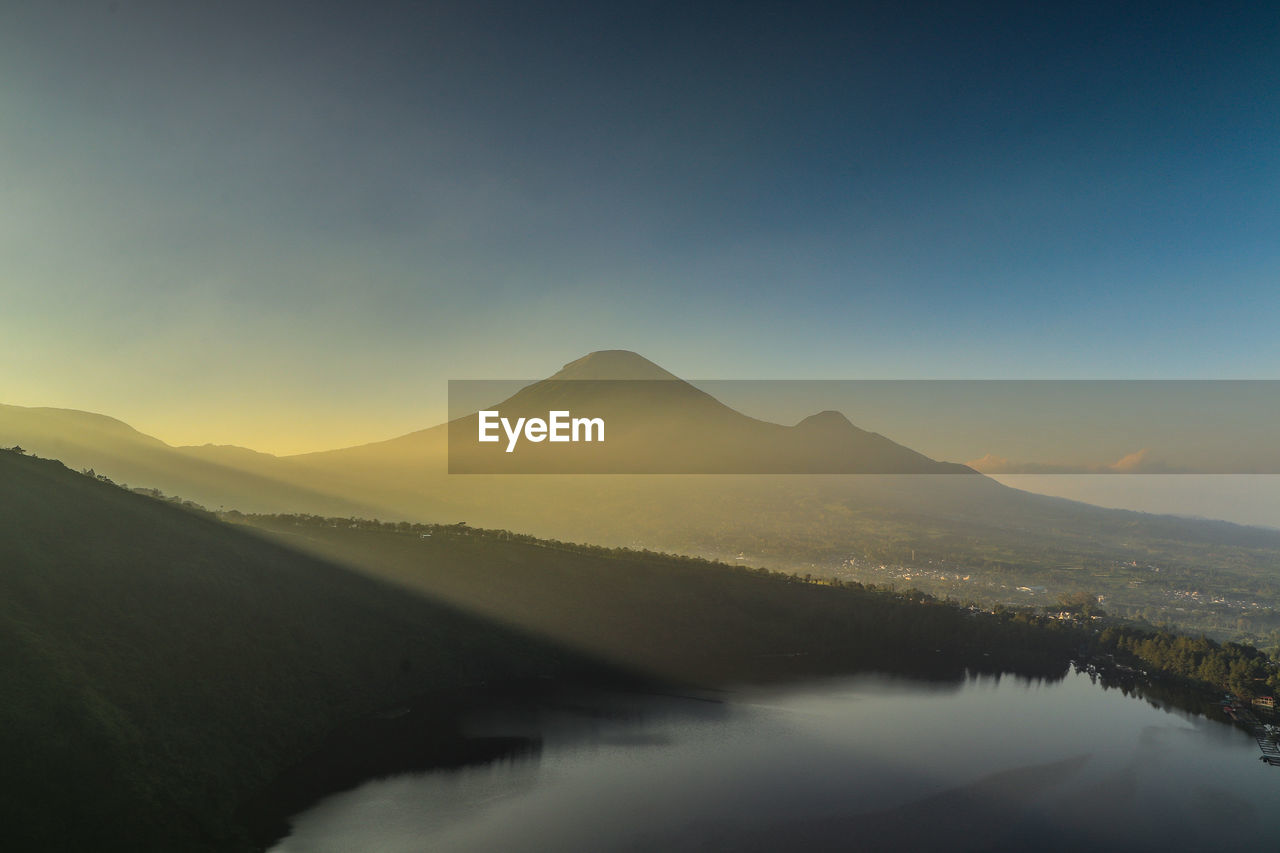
(659,424)
(897,504)
(213,476)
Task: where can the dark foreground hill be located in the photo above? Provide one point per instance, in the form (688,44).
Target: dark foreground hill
(162,666)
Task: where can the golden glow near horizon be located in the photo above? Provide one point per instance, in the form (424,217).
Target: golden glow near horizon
(997,427)
(282,437)
(278,431)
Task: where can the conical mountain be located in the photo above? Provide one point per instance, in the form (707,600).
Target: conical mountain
(612,364)
(656,423)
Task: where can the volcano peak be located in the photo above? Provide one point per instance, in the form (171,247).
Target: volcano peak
(612,364)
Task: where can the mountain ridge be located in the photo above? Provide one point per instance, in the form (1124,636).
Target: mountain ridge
(994,533)
(612,364)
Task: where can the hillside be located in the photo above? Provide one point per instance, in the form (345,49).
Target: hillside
(164,667)
(160,665)
(212,476)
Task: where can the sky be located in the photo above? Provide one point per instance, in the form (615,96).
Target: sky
(287,225)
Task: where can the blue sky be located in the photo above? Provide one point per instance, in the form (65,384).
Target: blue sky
(286,228)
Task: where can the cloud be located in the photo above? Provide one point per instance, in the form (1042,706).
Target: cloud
(1138,462)
(1133,463)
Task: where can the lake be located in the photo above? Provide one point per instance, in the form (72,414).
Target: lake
(861,763)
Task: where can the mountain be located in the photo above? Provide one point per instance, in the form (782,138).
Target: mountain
(159,665)
(659,424)
(612,364)
(212,476)
(966,536)
(655,420)
(937,524)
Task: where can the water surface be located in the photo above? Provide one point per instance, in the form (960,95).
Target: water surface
(864,763)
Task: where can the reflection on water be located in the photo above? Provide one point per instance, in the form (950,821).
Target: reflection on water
(862,763)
